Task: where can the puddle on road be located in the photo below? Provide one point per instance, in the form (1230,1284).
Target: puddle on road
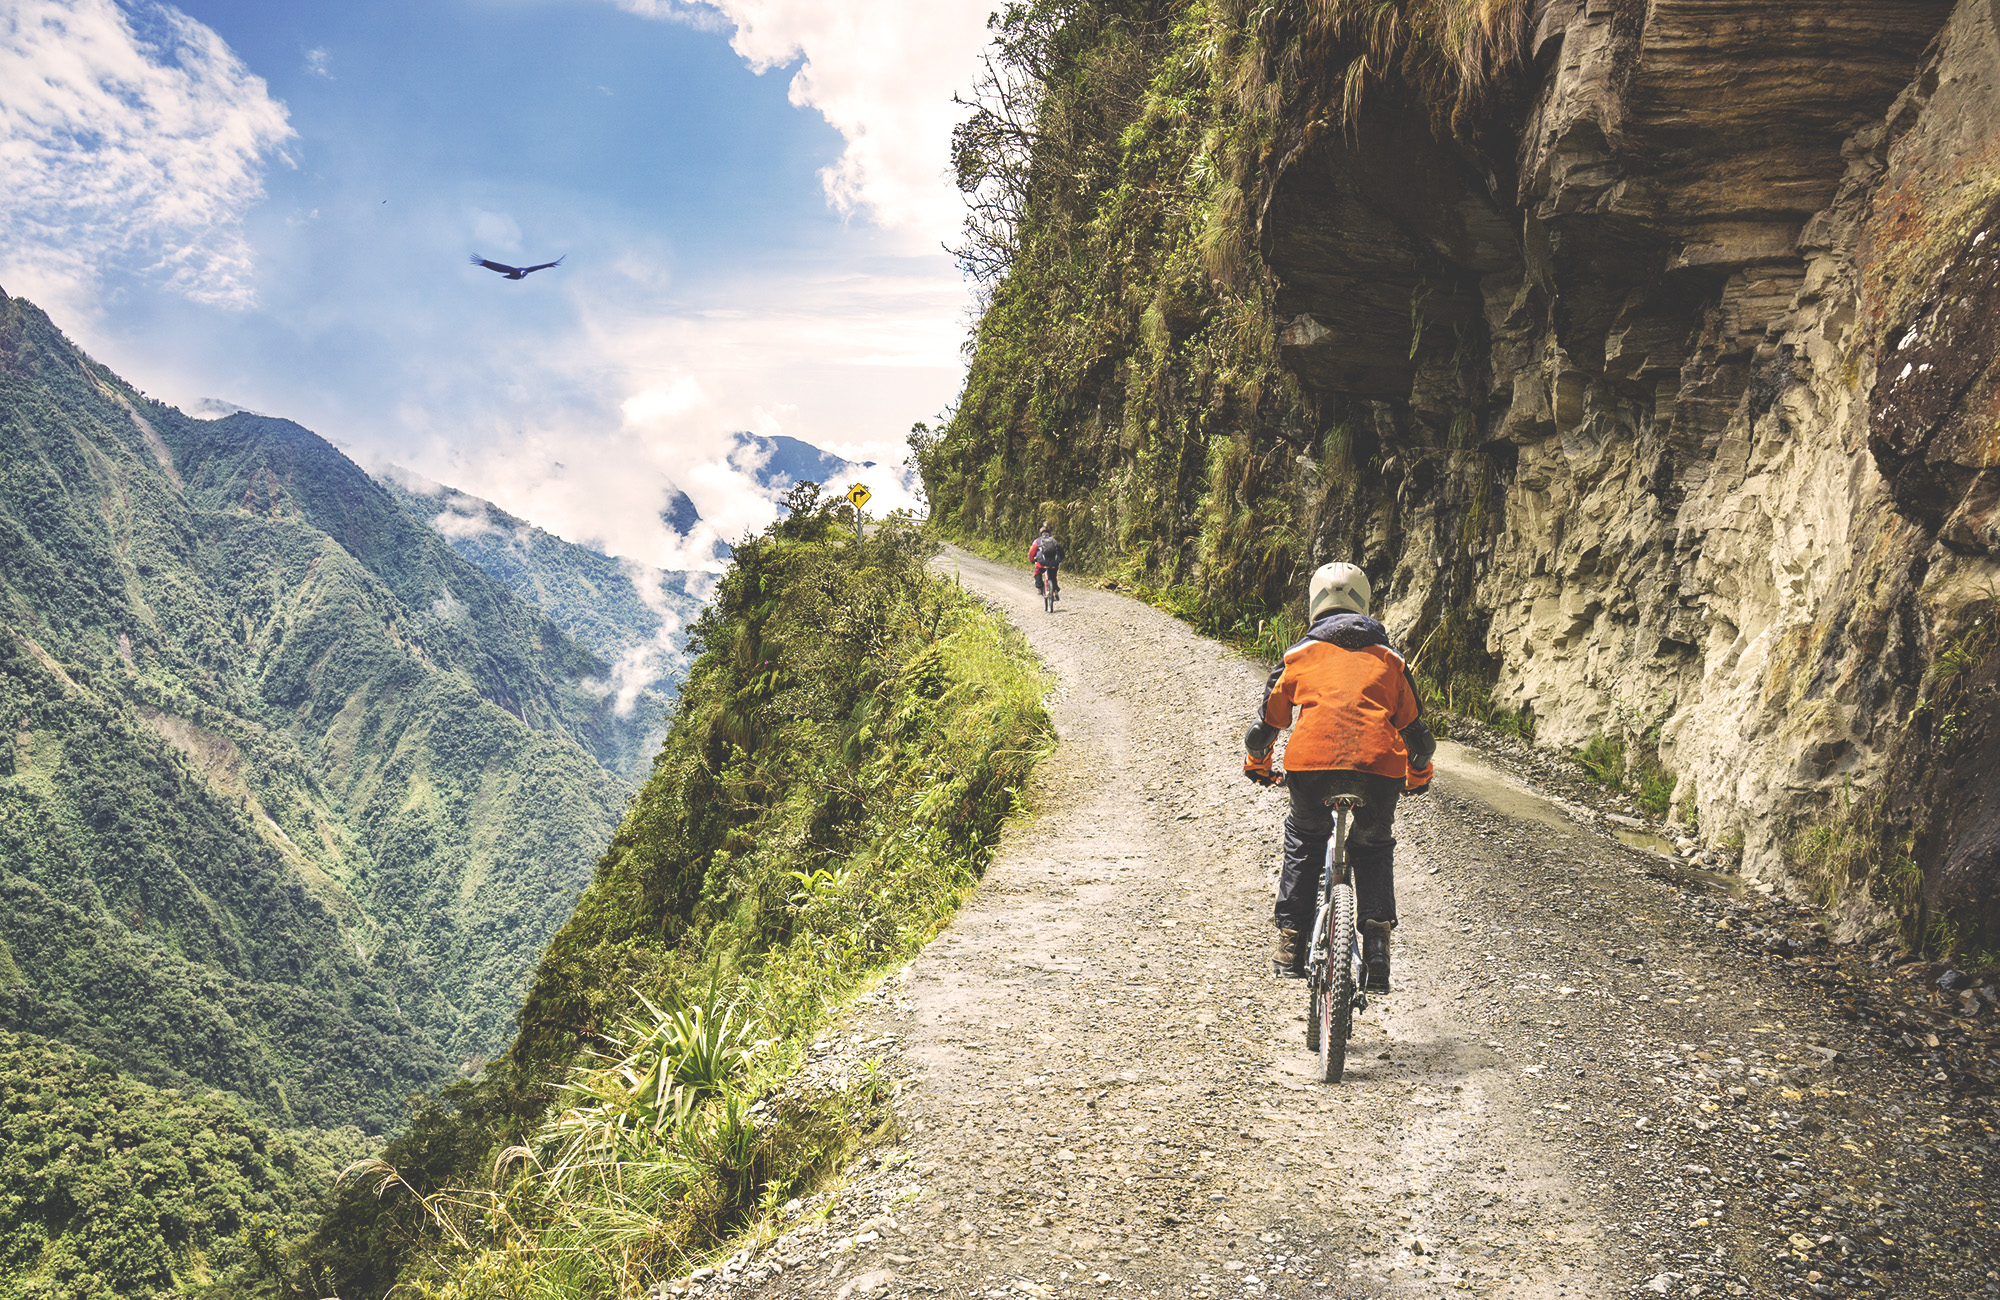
(1663,865)
(1680,873)
(1505,796)
(1493,788)
(1644,840)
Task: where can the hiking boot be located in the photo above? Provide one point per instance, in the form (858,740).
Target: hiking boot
(1288,955)
(1375,955)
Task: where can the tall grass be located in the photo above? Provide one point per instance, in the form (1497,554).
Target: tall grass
(656,1150)
(848,743)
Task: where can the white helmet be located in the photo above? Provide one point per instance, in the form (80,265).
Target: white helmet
(1338,586)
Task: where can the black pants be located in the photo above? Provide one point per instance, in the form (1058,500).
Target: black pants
(1047,573)
(1371,845)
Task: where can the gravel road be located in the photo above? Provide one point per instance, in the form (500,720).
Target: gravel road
(1582,1086)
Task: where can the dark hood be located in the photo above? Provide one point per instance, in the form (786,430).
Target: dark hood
(1348,630)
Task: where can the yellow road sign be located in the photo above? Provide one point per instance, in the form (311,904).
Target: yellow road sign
(859,494)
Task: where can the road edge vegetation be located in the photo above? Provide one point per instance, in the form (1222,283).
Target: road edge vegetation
(851,736)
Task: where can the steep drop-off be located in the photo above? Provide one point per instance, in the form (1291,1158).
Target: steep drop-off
(1644,354)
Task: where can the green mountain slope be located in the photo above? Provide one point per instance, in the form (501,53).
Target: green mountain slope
(632,616)
(510,652)
(111,1187)
(291,796)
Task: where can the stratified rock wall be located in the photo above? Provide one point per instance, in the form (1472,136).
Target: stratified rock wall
(1730,341)
(1647,355)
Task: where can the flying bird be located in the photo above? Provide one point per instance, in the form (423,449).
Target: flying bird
(514,272)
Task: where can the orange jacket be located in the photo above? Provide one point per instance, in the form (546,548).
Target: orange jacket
(1354,700)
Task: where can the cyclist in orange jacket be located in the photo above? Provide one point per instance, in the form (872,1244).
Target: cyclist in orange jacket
(1358,729)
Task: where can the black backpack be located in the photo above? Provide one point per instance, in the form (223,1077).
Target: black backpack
(1048,552)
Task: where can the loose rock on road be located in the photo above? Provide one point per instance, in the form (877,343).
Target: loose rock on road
(1580,1088)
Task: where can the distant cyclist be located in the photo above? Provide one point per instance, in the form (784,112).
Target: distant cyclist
(1046,554)
(1358,730)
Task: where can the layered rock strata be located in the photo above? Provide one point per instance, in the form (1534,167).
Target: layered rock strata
(1696,396)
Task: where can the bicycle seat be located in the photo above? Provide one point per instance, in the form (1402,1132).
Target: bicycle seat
(1345,802)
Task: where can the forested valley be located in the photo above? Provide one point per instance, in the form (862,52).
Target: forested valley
(291,798)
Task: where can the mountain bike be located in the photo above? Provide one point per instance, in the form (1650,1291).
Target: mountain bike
(1051,590)
(1333,963)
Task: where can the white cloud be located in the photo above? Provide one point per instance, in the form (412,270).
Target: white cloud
(636,403)
(882,73)
(131,138)
(664,401)
(694,13)
(464,516)
(215,408)
(319,63)
(645,665)
(496,230)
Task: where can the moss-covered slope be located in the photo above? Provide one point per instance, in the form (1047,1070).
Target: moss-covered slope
(290,795)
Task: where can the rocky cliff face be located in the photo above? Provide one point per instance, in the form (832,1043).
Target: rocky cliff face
(1674,380)
(1730,344)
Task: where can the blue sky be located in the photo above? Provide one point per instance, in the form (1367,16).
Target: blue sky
(272,203)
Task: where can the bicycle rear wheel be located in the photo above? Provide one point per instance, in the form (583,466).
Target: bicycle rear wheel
(1336,1000)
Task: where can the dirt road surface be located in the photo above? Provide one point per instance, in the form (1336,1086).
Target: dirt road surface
(1581,1087)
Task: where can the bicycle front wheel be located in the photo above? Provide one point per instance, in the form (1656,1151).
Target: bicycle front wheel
(1336,1002)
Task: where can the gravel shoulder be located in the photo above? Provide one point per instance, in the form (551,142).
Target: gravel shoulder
(1586,1083)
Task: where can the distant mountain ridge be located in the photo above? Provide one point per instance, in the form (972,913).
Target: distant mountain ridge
(775,463)
(788,460)
(291,794)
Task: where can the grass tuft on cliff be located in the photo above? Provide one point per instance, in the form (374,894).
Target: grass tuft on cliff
(847,742)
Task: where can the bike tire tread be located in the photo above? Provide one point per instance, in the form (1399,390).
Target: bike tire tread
(1337,1009)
